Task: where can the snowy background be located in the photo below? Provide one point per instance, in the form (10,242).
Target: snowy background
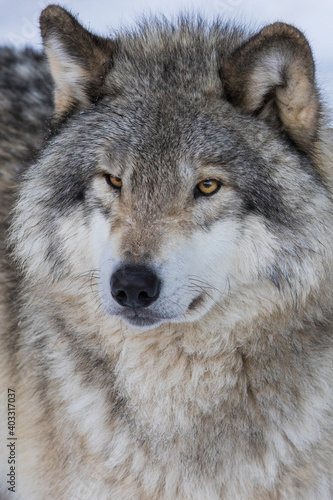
(19,21)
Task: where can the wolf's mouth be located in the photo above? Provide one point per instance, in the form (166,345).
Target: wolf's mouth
(142,319)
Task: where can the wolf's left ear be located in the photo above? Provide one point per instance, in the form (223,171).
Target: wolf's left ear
(272,76)
(78,59)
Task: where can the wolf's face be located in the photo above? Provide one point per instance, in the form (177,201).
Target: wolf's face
(166,213)
(173,214)
(167,190)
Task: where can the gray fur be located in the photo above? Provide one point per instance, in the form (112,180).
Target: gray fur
(220,389)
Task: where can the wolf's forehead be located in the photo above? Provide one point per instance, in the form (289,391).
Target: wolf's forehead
(151,165)
(154,139)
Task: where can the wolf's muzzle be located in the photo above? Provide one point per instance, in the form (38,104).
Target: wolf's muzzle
(133,286)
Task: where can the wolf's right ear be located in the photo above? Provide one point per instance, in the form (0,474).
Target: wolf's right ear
(78,59)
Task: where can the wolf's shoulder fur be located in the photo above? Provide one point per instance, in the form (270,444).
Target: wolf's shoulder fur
(166,264)
(25,112)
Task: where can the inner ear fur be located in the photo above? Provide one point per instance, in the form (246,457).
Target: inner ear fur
(78,60)
(272,76)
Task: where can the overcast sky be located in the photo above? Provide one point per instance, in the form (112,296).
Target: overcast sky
(19,20)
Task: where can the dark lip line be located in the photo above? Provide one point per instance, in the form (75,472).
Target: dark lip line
(132,317)
(144,322)
(151,319)
(143,317)
(195,302)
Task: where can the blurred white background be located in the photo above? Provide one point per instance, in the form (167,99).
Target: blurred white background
(19,20)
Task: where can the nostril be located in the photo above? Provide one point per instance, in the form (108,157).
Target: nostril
(145,299)
(122,295)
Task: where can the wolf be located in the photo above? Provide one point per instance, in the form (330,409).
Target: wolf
(166,265)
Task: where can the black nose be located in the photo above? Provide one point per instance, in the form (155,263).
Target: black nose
(135,287)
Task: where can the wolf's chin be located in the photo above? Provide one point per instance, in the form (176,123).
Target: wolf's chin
(143,323)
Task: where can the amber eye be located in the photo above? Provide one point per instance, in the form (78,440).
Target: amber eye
(114,182)
(207,187)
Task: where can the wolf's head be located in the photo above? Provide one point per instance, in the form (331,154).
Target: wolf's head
(182,173)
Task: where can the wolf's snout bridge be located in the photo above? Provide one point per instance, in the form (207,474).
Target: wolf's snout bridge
(135,287)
